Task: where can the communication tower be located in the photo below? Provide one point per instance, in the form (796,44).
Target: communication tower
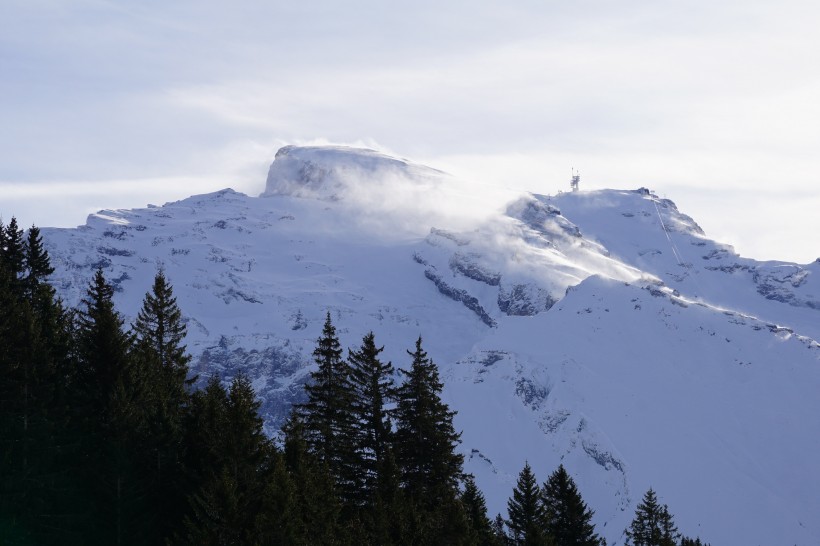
(575,180)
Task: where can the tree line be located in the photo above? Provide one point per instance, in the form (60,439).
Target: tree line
(104,439)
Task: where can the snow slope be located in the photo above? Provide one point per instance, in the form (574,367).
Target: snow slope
(602,330)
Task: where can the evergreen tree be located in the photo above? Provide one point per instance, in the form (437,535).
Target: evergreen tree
(500,531)
(113,407)
(17,340)
(235,462)
(372,387)
(653,525)
(53,321)
(37,265)
(14,250)
(107,372)
(315,504)
(686,541)
(160,330)
(388,510)
(160,354)
(2,245)
(35,438)
(205,420)
(425,437)
(669,532)
(569,520)
(328,420)
(480,526)
(527,516)
(425,446)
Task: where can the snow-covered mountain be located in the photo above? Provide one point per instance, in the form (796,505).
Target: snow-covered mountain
(602,330)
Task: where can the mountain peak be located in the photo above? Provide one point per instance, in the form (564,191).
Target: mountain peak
(333,172)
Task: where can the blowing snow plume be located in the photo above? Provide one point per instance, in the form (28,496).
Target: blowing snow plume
(411,198)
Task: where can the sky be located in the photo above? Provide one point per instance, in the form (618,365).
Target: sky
(115,104)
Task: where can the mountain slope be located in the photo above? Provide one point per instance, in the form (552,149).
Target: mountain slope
(601,330)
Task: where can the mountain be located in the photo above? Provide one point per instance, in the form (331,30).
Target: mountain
(600,330)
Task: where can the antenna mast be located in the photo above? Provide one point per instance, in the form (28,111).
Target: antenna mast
(575,180)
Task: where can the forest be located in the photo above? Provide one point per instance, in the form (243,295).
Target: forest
(106,438)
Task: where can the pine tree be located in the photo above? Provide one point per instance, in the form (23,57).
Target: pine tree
(653,525)
(480,526)
(500,531)
(52,319)
(315,504)
(425,446)
(527,516)
(159,328)
(113,407)
(35,438)
(371,382)
(669,532)
(17,345)
(14,250)
(107,371)
(160,354)
(37,265)
(2,245)
(425,437)
(163,363)
(329,427)
(569,520)
(234,461)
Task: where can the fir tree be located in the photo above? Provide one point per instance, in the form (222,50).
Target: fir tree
(205,419)
(371,382)
(159,328)
(425,437)
(527,516)
(480,526)
(234,461)
(107,372)
(37,265)
(36,444)
(430,467)
(569,520)
(114,409)
(17,445)
(500,531)
(653,525)
(14,251)
(160,354)
(2,245)
(328,420)
(316,504)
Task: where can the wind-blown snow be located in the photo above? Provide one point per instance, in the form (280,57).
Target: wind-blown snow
(602,330)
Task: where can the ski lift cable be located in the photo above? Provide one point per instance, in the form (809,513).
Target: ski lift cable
(666,231)
(676,252)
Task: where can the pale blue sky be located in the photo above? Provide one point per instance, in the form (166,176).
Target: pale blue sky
(712,104)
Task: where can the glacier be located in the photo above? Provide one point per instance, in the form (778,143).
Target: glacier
(602,330)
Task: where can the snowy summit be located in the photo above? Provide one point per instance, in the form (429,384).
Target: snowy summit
(330,172)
